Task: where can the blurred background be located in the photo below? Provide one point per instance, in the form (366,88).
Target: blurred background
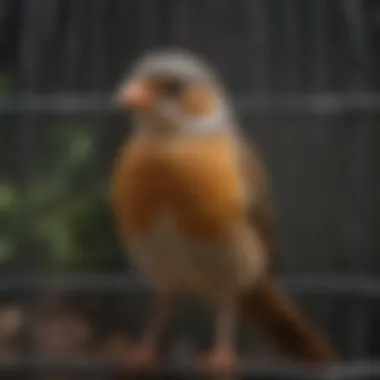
(305,80)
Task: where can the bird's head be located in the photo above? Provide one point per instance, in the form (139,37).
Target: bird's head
(173,92)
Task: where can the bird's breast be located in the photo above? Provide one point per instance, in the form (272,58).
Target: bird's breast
(180,208)
(197,183)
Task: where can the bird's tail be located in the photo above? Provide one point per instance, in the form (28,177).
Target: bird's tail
(274,313)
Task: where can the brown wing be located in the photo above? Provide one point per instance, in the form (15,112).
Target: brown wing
(261,208)
(266,306)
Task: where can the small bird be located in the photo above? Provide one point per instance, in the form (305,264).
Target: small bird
(192,205)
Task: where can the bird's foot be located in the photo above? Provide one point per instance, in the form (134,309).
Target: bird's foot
(143,357)
(220,360)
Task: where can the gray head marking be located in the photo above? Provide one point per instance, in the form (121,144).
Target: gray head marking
(176,63)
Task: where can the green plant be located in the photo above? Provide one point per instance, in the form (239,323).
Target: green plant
(71,226)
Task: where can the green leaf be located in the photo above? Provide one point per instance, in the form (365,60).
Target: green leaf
(6,82)
(7,246)
(9,198)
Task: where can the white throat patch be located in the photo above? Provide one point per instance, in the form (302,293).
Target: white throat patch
(204,125)
(192,126)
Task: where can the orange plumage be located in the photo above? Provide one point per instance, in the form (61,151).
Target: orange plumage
(180,177)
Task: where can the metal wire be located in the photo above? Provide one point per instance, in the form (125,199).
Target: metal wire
(323,284)
(315,104)
(353,370)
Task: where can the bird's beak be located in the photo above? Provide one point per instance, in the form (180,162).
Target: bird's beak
(135,95)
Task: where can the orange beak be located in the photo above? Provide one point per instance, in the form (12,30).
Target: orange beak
(136,96)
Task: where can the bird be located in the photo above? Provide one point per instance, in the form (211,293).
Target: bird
(191,199)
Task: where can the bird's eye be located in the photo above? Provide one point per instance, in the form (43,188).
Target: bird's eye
(171,87)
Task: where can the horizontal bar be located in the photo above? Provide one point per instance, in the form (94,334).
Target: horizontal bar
(313,284)
(349,370)
(324,103)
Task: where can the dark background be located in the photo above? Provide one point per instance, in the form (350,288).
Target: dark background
(304,76)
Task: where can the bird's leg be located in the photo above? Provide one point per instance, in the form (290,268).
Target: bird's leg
(222,356)
(144,354)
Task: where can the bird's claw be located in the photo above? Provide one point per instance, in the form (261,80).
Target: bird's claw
(141,358)
(220,360)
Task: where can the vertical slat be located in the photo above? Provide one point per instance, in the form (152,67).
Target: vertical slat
(50,23)
(181,22)
(288,141)
(148,30)
(73,47)
(358,318)
(322,204)
(219,11)
(29,73)
(97,73)
(319,20)
(353,13)
(258,22)
(320,129)
(50,54)
(218,16)
(261,39)
(97,53)
(291,50)
(362,183)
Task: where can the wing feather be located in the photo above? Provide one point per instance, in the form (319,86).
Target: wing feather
(261,212)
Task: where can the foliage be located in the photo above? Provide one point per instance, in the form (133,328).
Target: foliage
(6,82)
(71,226)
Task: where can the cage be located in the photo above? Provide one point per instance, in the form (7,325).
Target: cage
(304,80)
